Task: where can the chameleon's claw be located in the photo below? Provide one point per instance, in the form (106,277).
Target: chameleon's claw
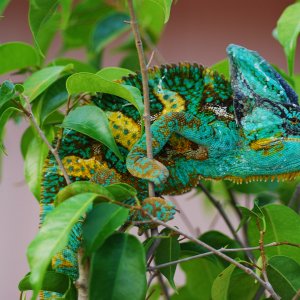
(149,169)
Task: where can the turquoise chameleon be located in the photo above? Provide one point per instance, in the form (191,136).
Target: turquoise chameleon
(203,127)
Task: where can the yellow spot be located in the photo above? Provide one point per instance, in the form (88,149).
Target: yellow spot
(269,145)
(174,103)
(124,129)
(78,167)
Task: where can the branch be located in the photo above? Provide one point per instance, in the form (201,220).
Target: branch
(146,116)
(223,250)
(263,255)
(220,209)
(82,282)
(248,271)
(233,203)
(144,73)
(29,114)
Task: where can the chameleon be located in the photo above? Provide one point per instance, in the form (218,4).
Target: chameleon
(203,127)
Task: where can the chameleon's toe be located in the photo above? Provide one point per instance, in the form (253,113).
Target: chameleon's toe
(158,208)
(149,169)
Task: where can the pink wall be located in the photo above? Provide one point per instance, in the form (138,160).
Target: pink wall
(198,31)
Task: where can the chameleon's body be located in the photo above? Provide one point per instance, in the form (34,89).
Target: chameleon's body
(202,127)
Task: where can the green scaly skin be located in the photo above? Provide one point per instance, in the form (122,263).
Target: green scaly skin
(203,127)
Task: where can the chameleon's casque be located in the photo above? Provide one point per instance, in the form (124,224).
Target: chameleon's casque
(203,127)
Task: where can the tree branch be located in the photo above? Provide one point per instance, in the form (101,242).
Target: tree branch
(220,209)
(144,73)
(248,271)
(146,116)
(223,250)
(29,114)
(82,281)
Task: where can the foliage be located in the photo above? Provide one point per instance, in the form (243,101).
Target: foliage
(56,91)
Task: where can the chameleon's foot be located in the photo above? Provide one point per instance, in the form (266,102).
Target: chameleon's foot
(156,207)
(149,169)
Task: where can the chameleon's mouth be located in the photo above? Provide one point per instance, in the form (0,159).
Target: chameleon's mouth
(239,180)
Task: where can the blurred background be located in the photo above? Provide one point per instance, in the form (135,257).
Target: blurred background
(198,31)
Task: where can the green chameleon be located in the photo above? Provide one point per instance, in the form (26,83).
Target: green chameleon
(203,127)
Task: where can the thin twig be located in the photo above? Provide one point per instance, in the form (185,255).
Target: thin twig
(297,296)
(223,250)
(183,216)
(150,59)
(163,286)
(220,254)
(234,204)
(82,281)
(220,209)
(146,118)
(158,56)
(144,73)
(29,114)
(263,255)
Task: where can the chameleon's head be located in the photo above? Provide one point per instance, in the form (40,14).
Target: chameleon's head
(267,110)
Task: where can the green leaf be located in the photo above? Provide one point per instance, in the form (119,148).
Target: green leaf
(17,55)
(53,282)
(7,92)
(165,6)
(100,223)
(36,154)
(256,214)
(167,251)
(288,29)
(118,270)
(26,138)
(54,119)
(87,82)
(281,223)
(3,120)
(122,191)
(219,240)
(222,67)
(80,187)
(284,275)
(3,4)
(78,65)
(66,7)
(151,18)
(82,21)
(200,275)
(53,236)
(107,29)
(44,22)
(92,121)
(114,73)
(39,81)
(53,98)
(233,283)
(296,79)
